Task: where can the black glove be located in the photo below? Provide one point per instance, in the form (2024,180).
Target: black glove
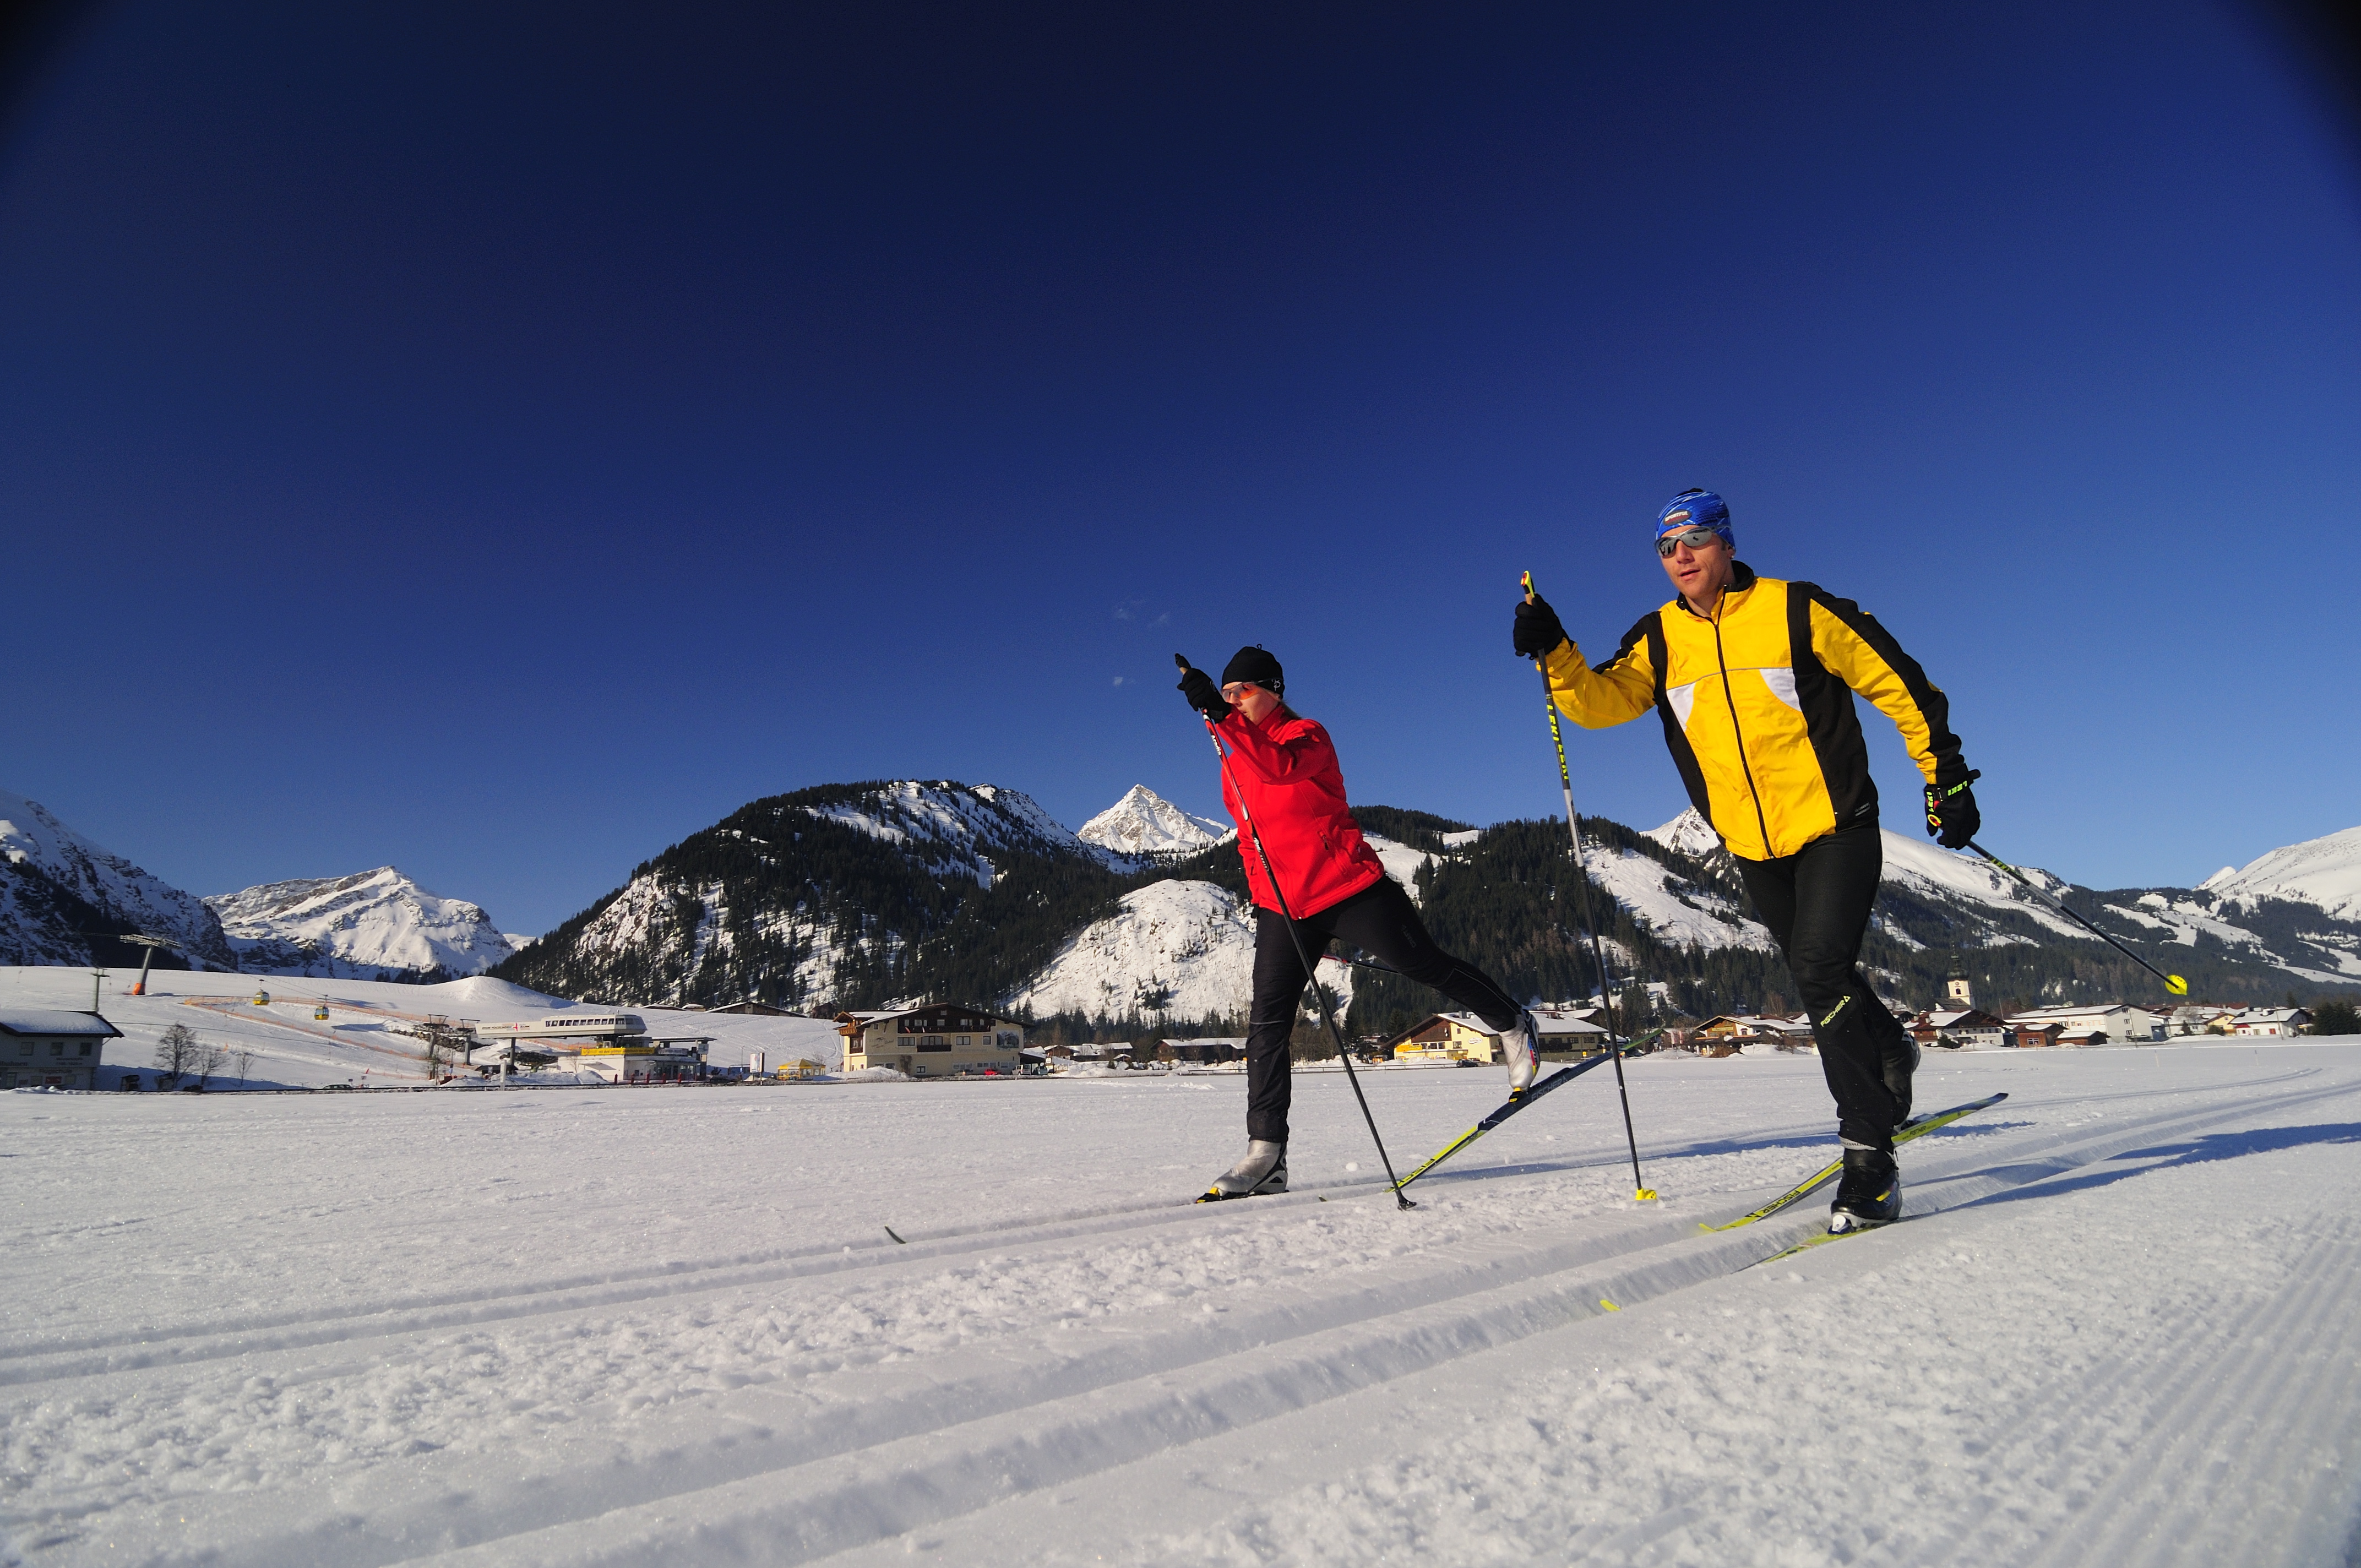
(1538,632)
(1952,815)
(1203,693)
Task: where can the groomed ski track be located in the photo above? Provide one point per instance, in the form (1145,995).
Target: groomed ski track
(2120,1326)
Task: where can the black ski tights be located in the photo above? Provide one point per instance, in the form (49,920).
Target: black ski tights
(1380,920)
(1817,902)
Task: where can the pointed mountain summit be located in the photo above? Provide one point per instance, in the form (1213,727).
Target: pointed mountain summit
(1145,823)
(374,925)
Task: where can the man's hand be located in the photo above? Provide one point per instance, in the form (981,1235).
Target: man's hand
(1202,695)
(1952,815)
(1538,632)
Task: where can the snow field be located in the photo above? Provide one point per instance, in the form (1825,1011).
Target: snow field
(293,1050)
(615,1327)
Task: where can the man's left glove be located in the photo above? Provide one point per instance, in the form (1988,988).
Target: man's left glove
(1538,632)
(1202,695)
(1952,815)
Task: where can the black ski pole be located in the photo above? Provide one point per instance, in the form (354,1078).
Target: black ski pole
(1641,1191)
(1303,957)
(2172,982)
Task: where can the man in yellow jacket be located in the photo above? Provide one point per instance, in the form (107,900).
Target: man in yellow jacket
(1754,681)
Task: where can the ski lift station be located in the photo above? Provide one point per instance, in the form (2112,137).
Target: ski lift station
(615,1046)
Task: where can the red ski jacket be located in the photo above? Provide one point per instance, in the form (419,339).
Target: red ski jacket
(1286,767)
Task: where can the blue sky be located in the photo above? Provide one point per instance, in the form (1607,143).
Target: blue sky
(501,441)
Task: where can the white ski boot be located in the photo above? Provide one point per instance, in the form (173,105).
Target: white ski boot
(1520,1047)
(1261,1173)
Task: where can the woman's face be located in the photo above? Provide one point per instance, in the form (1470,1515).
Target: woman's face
(1249,699)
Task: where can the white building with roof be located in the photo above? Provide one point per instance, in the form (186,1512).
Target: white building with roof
(42,1047)
(2270,1023)
(2119,1022)
(1969,1029)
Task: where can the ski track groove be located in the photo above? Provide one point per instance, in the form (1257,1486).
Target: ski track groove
(900,1463)
(625,1285)
(2130,1520)
(57,1358)
(2086,1413)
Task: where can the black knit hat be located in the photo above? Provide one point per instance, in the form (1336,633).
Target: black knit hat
(1255,665)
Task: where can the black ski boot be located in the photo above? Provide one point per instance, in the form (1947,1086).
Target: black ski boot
(1869,1192)
(1261,1173)
(1900,1062)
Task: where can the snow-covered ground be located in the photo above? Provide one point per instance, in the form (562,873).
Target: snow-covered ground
(627,1326)
(292,1048)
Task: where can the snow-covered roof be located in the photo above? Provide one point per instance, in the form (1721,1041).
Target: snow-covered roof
(54,1020)
(2068,1015)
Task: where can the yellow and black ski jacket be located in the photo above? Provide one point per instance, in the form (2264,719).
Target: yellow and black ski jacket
(1757,705)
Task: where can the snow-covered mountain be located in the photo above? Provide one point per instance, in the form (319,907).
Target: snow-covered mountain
(1144,822)
(376,924)
(1181,949)
(1912,865)
(951,829)
(819,899)
(59,886)
(2324,871)
(1934,898)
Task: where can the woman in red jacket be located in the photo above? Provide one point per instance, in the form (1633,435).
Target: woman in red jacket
(1285,767)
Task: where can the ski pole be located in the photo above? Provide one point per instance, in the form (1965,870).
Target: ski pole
(1641,1191)
(1303,957)
(2172,982)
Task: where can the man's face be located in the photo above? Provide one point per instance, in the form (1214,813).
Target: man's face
(1249,699)
(1696,570)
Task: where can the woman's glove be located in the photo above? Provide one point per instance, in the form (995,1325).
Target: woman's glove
(1202,695)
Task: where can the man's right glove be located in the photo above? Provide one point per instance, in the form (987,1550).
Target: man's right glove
(1203,693)
(1952,815)
(1538,632)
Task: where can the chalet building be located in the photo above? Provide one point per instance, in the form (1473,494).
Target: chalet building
(1970,1030)
(2270,1023)
(42,1047)
(2033,1035)
(936,1039)
(1728,1034)
(2121,1023)
(2086,1036)
(1446,1038)
(1568,1033)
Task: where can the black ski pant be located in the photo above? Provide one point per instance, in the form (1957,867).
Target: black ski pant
(1817,902)
(1380,921)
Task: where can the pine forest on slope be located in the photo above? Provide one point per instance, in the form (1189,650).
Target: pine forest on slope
(860,895)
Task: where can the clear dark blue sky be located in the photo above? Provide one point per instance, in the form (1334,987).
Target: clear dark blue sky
(499,442)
